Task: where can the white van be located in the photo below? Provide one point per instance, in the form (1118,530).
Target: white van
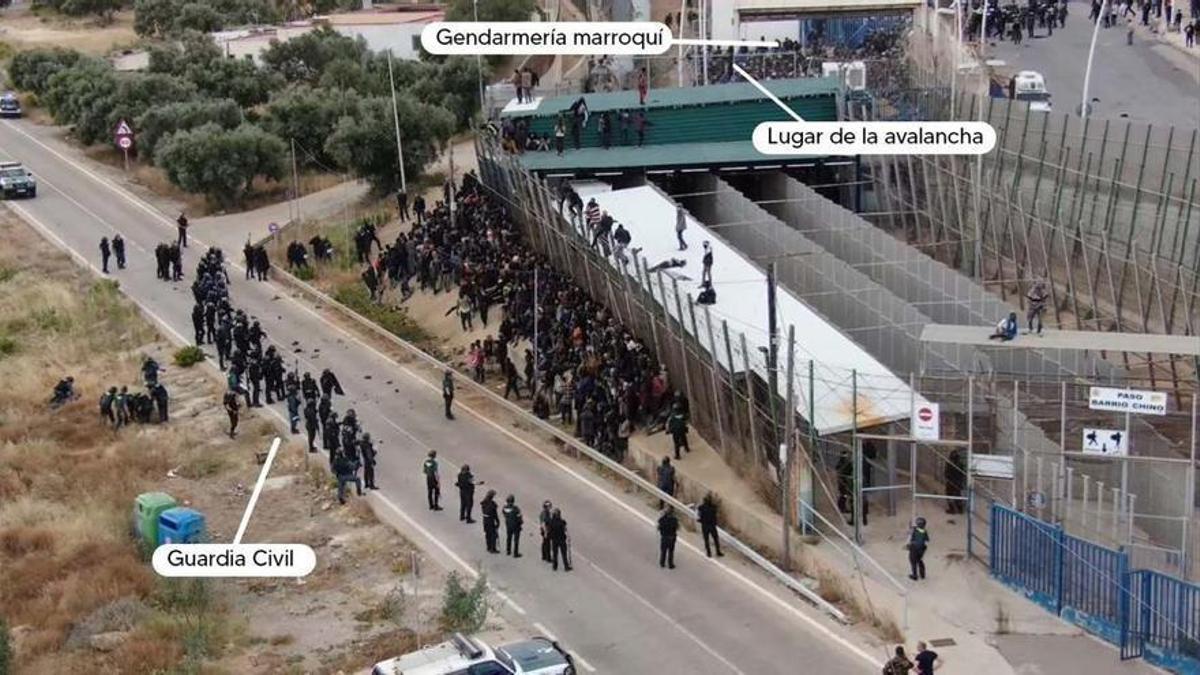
(461,655)
(1030,86)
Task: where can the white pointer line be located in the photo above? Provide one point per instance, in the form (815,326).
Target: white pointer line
(262,478)
(766,93)
(769,44)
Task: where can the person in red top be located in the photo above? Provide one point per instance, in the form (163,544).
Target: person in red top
(643,86)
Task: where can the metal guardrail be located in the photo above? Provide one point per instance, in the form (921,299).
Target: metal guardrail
(728,539)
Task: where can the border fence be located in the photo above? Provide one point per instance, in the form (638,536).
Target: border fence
(1146,613)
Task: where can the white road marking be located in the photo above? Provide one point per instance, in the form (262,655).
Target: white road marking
(178,338)
(763,592)
(665,617)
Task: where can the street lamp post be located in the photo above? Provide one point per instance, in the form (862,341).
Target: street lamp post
(396,121)
(1087,73)
(479,65)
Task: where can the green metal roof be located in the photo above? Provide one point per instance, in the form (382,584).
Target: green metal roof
(674,155)
(687,96)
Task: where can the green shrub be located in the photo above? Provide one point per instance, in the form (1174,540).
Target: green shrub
(306,273)
(394,320)
(8,346)
(6,655)
(189,356)
(464,610)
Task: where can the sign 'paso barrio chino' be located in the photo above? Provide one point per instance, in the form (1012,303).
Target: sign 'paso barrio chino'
(234,560)
(1133,401)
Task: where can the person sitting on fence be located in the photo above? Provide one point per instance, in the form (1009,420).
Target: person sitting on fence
(1007,329)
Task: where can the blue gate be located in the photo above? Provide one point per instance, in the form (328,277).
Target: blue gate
(1162,621)
(1146,613)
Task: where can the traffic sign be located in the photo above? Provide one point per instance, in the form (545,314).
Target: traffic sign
(1128,400)
(273,228)
(926,422)
(123,129)
(1112,442)
(124,142)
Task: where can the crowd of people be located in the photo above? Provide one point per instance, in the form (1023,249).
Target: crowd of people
(622,127)
(257,375)
(793,60)
(580,363)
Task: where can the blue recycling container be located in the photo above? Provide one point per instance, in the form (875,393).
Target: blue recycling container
(181,525)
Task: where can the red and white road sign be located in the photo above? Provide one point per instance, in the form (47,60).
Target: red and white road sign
(926,422)
(123,135)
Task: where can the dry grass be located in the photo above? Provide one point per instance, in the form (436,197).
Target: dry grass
(66,481)
(24,29)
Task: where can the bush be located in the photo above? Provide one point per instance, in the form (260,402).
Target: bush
(6,655)
(160,121)
(305,273)
(31,70)
(464,610)
(158,18)
(189,356)
(8,346)
(392,319)
(219,163)
(365,142)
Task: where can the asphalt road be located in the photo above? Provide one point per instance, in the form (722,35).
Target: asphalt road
(618,610)
(1150,82)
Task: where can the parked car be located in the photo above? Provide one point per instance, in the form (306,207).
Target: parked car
(15,181)
(461,655)
(10,105)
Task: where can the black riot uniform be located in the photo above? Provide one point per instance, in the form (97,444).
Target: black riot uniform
(491,521)
(366,455)
(513,520)
(466,493)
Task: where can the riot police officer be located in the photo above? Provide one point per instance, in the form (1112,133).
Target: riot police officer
(491,521)
(513,520)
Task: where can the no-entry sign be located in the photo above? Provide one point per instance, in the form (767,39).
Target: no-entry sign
(926,422)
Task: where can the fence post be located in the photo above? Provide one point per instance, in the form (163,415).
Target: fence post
(1059,542)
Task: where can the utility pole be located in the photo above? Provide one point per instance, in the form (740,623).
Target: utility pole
(786,452)
(772,351)
(1087,73)
(483,112)
(295,184)
(396,120)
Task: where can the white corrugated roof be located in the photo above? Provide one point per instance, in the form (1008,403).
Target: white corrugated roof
(742,302)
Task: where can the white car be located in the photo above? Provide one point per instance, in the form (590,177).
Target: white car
(462,655)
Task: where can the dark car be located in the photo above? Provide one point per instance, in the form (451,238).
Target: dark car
(10,105)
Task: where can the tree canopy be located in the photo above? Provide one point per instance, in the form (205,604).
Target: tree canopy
(221,163)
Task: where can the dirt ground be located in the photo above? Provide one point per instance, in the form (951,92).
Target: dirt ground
(75,591)
(23,29)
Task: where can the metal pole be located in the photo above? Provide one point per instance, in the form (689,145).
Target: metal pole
(970,458)
(1087,73)
(772,351)
(704,35)
(806,472)
(857,515)
(679,33)
(536,361)
(478,66)
(1087,482)
(1062,419)
(295,182)
(396,121)
(1186,558)
(749,397)
(785,454)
